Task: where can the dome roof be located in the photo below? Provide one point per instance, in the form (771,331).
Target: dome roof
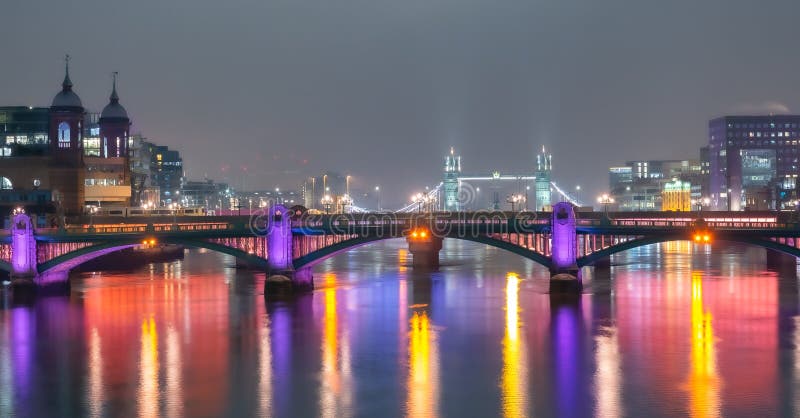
(66,97)
(113,109)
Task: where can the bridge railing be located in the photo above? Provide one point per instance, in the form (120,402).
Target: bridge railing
(141,228)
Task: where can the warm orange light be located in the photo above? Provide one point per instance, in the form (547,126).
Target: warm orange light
(144,242)
(423,234)
(414,234)
(152,242)
(697,237)
(706,238)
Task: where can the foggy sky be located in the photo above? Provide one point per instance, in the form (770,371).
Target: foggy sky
(381,89)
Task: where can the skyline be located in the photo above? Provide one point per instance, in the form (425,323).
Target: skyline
(269,86)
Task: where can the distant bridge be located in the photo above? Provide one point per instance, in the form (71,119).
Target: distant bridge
(284,242)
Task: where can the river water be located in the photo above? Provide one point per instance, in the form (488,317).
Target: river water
(672,330)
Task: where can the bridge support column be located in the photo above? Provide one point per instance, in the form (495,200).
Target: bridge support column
(23,251)
(424,249)
(777,260)
(564,271)
(24,273)
(281,275)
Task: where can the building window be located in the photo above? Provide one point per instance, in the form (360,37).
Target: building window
(63,135)
(5,184)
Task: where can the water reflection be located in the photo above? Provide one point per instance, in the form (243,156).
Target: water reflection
(6,368)
(608,377)
(179,341)
(148,397)
(264,367)
(514,382)
(95,374)
(567,344)
(174,374)
(423,367)
(704,381)
(335,387)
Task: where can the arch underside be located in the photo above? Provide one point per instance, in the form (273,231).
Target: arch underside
(72,259)
(320,255)
(641,242)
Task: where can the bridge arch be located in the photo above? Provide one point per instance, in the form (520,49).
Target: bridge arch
(72,259)
(641,242)
(314,257)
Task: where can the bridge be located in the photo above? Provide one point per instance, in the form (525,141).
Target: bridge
(289,244)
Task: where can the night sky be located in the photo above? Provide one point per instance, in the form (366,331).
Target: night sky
(263,93)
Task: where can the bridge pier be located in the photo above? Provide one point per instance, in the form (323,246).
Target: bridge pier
(24,275)
(281,276)
(424,248)
(565,275)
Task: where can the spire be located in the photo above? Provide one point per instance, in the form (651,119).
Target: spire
(67,84)
(114,97)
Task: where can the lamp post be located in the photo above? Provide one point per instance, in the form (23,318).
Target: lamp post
(605,200)
(514,199)
(378,196)
(419,199)
(327,200)
(347,201)
(92,211)
(578,193)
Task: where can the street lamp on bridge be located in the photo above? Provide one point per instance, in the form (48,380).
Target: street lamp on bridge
(703,201)
(605,200)
(419,199)
(327,201)
(515,199)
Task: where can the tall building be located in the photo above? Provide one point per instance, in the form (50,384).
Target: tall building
(452,169)
(108,179)
(544,168)
(24,130)
(167,168)
(753,161)
(640,185)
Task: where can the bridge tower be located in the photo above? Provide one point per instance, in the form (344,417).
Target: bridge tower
(544,166)
(23,248)
(564,271)
(281,275)
(452,169)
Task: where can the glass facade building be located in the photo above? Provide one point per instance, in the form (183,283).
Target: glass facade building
(753,161)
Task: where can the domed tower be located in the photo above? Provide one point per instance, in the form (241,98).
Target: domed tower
(66,149)
(114,127)
(66,123)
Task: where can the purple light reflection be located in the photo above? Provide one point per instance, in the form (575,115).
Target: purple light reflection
(22,346)
(280,335)
(566,341)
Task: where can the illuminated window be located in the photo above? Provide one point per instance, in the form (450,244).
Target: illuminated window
(63,135)
(5,184)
